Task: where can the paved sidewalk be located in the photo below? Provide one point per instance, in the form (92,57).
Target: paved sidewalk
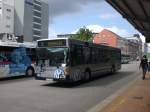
(135,99)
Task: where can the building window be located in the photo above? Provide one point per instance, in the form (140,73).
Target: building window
(37,2)
(35,32)
(7,26)
(29,2)
(38,14)
(37,26)
(0,10)
(36,7)
(37,20)
(9,10)
(36,37)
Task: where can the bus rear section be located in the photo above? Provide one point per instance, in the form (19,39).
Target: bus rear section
(16,60)
(71,60)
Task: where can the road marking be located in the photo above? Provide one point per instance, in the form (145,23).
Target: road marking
(109,99)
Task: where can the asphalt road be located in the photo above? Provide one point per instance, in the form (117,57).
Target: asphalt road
(28,95)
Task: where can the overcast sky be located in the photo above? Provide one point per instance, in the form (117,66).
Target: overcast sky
(62,7)
(67,16)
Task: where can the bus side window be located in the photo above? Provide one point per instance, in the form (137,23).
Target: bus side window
(100,59)
(72,53)
(76,55)
(93,56)
(3,57)
(107,57)
(103,55)
(86,53)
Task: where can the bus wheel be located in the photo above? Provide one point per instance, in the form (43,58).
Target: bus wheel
(87,76)
(113,70)
(30,71)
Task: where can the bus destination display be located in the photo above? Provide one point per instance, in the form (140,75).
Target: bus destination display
(53,43)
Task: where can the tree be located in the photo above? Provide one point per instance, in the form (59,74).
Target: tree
(83,34)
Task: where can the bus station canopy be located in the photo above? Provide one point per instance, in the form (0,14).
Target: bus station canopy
(137,12)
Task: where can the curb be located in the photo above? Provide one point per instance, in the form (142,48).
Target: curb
(109,99)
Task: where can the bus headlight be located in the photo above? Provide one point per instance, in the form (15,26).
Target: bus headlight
(62,76)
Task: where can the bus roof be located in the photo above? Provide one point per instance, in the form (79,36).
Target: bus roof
(80,42)
(17,44)
(53,39)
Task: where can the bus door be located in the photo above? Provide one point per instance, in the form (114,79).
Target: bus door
(77,61)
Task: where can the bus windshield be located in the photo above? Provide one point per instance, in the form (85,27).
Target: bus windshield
(55,56)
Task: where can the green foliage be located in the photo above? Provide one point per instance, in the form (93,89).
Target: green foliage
(83,34)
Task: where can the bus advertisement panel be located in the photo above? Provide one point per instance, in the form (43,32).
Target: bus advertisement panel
(16,59)
(73,60)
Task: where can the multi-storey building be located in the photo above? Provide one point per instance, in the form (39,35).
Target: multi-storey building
(31,19)
(106,37)
(135,46)
(6,18)
(26,19)
(129,46)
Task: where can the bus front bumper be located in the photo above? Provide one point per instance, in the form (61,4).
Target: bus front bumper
(66,79)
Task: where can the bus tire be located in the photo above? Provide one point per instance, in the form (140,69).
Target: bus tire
(30,71)
(87,76)
(113,70)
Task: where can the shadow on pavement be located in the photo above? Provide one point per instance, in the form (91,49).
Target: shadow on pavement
(103,80)
(14,79)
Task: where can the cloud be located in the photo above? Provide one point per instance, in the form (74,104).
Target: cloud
(108,16)
(119,31)
(115,29)
(61,7)
(95,28)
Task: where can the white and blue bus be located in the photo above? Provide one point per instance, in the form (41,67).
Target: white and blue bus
(73,60)
(17,59)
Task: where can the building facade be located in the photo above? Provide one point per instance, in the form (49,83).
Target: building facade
(31,19)
(6,18)
(106,37)
(122,44)
(129,46)
(135,46)
(28,20)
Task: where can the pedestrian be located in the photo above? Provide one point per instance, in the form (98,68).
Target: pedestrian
(144,65)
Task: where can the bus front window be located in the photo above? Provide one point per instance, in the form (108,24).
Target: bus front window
(52,56)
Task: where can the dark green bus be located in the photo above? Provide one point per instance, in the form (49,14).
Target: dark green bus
(73,60)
